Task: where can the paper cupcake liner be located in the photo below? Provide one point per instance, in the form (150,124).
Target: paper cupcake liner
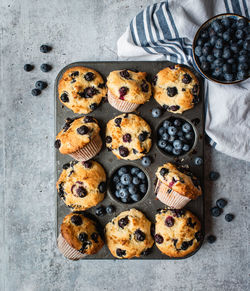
(170,197)
(67,249)
(121,105)
(88,151)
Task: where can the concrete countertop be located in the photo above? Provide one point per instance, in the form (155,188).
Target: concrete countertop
(29,260)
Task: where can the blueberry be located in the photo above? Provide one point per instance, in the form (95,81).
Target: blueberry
(243,53)
(177,144)
(229,217)
(185,148)
(161,130)
(82,130)
(210,58)
(166,124)
(180,133)
(76,219)
(123,222)
(143,188)
(102,187)
(126,179)
(124,194)
(199,42)
(204,34)
(110,209)
(28,67)
(45,48)
(146,161)
(119,186)
(231,61)
(35,92)
(215,211)
(218,62)
(176,152)
(45,68)
(211,239)
(189,136)
(117,194)
(217,72)
(219,43)
(227,68)
(143,136)
(246,45)
(141,175)
(172,130)
(242,59)
(226,53)
(234,48)
(217,52)
(213,40)
(205,51)
(225,21)
(116,179)
(226,35)
(156,112)
(172,91)
(228,77)
(198,161)
(83,237)
(171,138)
(177,122)
(221,203)
(205,66)
(100,211)
(57,144)
(169,148)
(241,75)
(202,59)
(198,51)
(217,26)
(239,34)
(122,170)
(165,136)
(132,189)
(136,197)
(41,85)
(135,171)
(186,127)
(213,176)
(136,181)
(162,143)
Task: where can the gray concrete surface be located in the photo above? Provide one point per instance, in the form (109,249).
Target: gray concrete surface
(87,30)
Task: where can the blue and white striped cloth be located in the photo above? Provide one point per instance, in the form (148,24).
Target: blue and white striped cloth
(165,31)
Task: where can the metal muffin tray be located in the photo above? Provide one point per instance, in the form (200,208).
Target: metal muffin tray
(149,204)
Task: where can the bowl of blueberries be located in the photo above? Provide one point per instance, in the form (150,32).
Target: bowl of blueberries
(128,184)
(221,49)
(176,136)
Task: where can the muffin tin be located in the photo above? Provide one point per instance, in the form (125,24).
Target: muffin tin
(148,205)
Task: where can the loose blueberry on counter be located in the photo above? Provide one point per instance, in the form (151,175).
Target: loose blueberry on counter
(213,176)
(35,92)
(229,217)
(156,112)
(211,239)
(221,203)
(100,211)
(45,68)
(198,161)
(28,67)
(45,48)
(146,162)
(41,85)
(110,209)
(215,211)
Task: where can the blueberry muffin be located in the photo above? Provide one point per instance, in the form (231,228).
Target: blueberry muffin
(79,138)
(176,187)
(81,89)
(129,235)
(176,89)
(128,89)
(177,232)
(79,237)
(82,185)
(128,136)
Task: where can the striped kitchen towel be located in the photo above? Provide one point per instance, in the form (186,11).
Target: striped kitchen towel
(164,31)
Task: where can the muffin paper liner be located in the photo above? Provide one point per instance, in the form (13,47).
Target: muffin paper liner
(88,151)
(121,105)
(170,197)
(67,250)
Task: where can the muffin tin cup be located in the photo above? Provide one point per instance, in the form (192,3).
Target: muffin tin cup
(67,249)
(170,197)
(88,151)
(149,204)
(121,105)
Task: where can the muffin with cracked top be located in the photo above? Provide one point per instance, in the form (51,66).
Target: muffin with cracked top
(176,186)
(78,237)
(79,138)
(81,89)
(176,88)
(82,185)
(177,232)
(129,235)
(128,89)
(128,136)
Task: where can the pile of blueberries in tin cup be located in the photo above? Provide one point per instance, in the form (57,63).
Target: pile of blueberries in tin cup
(222,49)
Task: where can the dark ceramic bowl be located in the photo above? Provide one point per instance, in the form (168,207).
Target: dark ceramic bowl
(197,35)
